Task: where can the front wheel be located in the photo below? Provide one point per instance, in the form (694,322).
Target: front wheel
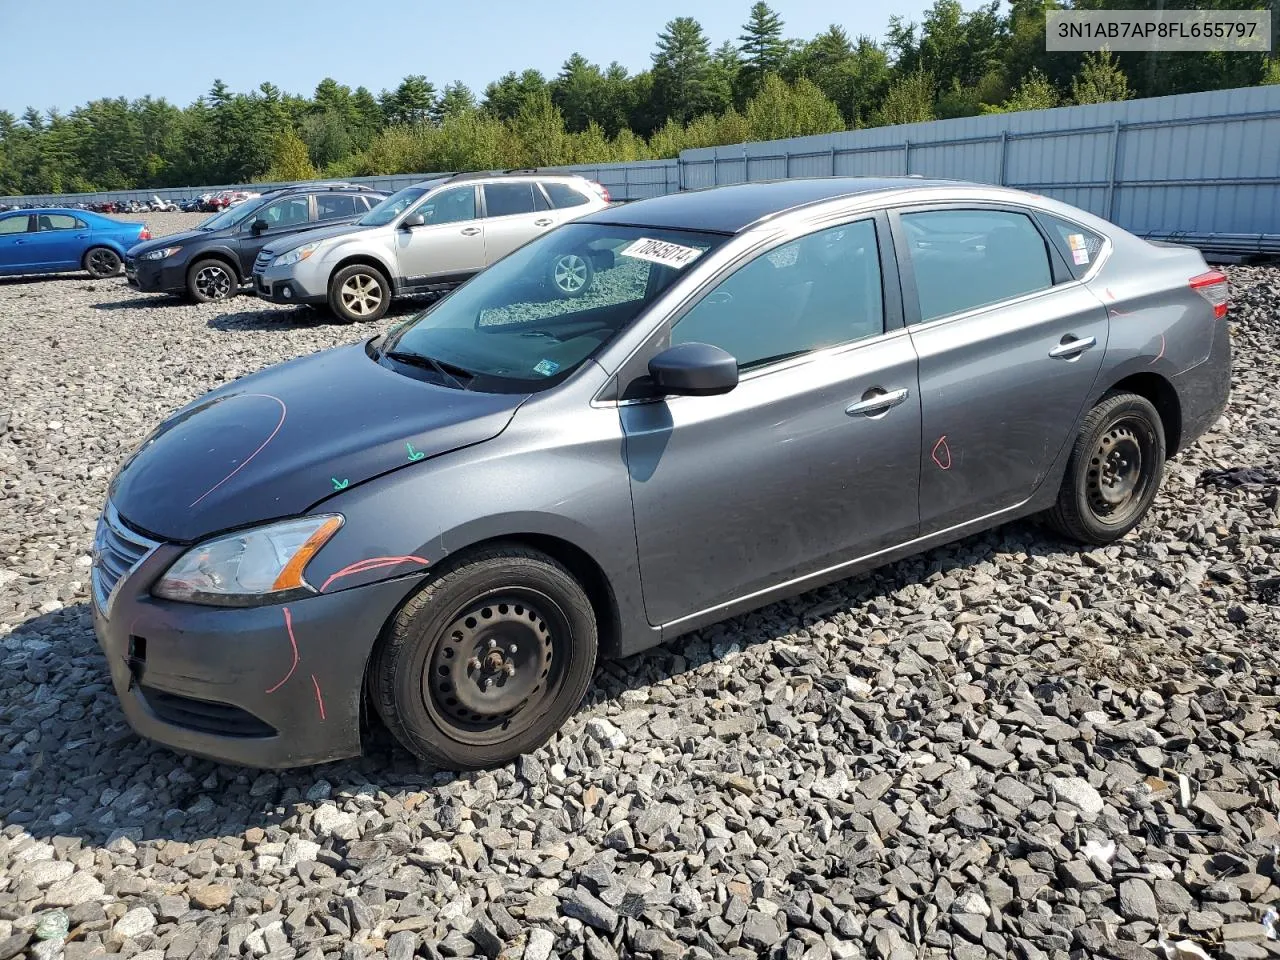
(210,280)
(1114,472)
(359,292)
(487,661)
(102,263)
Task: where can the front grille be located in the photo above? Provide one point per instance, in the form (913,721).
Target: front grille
(205,716)
(117,550)
(263,261)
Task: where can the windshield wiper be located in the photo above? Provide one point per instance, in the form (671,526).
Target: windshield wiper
(449,370)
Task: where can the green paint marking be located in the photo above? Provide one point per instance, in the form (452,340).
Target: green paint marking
(413,454)
(340,484)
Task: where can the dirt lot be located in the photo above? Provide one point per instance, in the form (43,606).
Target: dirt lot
(1004,747)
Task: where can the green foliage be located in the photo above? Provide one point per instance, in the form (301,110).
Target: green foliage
(957,61)
(1100,80)
(289,160)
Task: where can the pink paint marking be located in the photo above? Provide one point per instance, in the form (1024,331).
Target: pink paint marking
(283,413)
(1110,295)
(372,563)
(940,452)
(288,624)
(1161,353)
(319,699)
(1119,313)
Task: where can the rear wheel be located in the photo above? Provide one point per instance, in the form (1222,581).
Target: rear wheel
(102,262)
(209,280)
(571,274)
(487,661)
(359,292)
(1114,472)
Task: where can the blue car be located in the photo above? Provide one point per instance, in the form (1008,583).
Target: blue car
(59,240)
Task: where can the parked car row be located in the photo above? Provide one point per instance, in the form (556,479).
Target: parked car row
(634,425)
(63,239)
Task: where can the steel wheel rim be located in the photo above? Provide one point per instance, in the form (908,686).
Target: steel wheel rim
(103,262)
(1119,477)
(475,648)
(570,273)
(213,282)
(361,294)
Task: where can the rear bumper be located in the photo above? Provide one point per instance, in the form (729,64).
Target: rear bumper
(1203,390)
(249,686)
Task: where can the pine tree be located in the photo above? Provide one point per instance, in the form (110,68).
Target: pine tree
(763,49)
(456,99)
(681,68)
(1100,80)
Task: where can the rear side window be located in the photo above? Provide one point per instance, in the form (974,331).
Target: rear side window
(964,259)
(1078,246)
(507,199)
(563,195)
(330,206)
(57,221)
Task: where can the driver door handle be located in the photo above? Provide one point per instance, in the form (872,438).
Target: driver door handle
(877,400)
(543,222)
(1070,348)
(470,231)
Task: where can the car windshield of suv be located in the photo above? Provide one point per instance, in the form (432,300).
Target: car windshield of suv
(534,317)
(233,215)
(394,205)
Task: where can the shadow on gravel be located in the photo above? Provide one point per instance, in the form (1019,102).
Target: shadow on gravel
(142,302)
(85,773)
(47,278)
(293,318)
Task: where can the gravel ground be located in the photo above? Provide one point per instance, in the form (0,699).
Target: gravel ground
(1004,747)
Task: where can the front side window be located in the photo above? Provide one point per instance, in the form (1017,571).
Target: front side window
(394,205)
(332,206)
(964,259)
(233,215)
(508,199)
(14,224)
(56,221)
(450,206)
(819,291)
(290,212)
(535,316)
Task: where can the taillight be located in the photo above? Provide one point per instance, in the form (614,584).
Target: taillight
(145,234)
(1213,286)
(601,189)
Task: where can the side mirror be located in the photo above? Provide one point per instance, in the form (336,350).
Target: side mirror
(258,226)
(694,370)
(414,220)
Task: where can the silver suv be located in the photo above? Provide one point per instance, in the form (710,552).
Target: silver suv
(430,237)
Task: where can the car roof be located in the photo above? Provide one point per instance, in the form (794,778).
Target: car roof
(731,209)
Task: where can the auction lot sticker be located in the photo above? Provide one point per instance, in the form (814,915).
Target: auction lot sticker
(662,251)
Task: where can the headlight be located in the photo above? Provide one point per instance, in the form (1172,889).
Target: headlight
(160,254)
(296,255)
(263,565)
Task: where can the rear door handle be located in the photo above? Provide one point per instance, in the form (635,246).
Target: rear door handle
(470,231)
(1068,349)
(876,401)
(543,222)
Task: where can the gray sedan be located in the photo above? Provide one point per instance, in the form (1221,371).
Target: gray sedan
(768,387)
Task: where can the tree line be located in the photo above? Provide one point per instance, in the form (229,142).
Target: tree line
(761,85)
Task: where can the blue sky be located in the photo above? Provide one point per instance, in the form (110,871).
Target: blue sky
(64,53)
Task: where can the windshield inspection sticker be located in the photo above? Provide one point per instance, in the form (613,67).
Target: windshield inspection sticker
(1079,253)
(546,367)
(660,251)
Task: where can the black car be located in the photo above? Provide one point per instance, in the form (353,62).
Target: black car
(213,260)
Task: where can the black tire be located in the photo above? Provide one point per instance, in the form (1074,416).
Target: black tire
(211,279)
(1114,472)
(102,263)
(427,678)
(570,274)
(359,293)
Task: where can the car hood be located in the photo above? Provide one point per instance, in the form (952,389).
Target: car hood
(170,240)
(275,443)
(311,236)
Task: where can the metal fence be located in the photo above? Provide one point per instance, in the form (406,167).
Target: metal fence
(1199,167)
